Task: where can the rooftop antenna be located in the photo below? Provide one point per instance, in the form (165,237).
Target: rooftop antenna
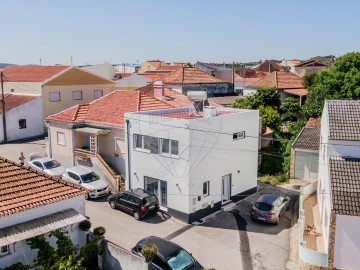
(71,59)
(40,61)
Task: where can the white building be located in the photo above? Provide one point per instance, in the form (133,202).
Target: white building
(23,117)
(34,204)
(338,191)
(195,162)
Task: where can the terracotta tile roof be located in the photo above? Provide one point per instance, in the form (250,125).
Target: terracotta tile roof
(22,188)
(313,122)
(151,76)
(345,185)
(344,119)
(247,79)
(191,76)
(31,73)
(267,66)
(297,92)
(279,80)
(294,62)
(12,101)
(110,109)
(311,63)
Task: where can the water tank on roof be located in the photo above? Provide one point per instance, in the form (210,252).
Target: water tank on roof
(197,95)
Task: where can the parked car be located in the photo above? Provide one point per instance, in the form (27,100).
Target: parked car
(270,207)
(87,178)
(170,256)
(138,202)
(47,165)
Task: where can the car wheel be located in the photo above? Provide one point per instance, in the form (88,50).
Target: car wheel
(112,205)
(136,215)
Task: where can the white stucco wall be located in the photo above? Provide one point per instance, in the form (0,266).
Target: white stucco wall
(31,111)
(249,91)
(347,242)
(207,152)
(32,88)
(133,81)
(106,70)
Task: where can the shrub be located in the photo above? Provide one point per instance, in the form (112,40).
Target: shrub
(149,252)
(85,225)
(99,231)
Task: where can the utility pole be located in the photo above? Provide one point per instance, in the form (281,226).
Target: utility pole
(3,106)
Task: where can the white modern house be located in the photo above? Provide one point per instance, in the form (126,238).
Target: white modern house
(34,204)
(194,160)
(23,117)
(338,191)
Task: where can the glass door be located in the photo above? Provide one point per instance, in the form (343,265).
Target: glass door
(159,188)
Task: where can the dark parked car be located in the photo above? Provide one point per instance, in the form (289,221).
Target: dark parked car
(269,208)
(170,256)
(138,202)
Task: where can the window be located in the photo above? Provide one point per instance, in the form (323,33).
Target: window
(119,145)
(74,176)
(98,94)
(147,143)
(239,135)
(22,123)
(4,250)
(60,138)
(38,164)
(169,147)
(77,95)
(206,188)
(54,96)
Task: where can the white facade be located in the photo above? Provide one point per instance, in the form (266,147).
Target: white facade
(132,82)
(103,70)
(215,161)
(29,113)
(20,251)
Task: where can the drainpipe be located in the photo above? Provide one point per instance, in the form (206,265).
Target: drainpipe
(128,151)
(49,138)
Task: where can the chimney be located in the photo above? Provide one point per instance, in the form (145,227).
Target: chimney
(158,89)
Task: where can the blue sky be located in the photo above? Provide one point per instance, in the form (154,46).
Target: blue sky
(188,30)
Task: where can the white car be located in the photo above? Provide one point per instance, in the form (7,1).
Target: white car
(47,165)
(86,178)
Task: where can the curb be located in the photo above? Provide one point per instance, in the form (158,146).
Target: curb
(292,262)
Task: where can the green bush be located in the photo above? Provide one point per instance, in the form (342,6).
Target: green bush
(85,225)
(99,231)
(149,252)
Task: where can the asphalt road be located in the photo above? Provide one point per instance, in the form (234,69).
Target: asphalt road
(227,240)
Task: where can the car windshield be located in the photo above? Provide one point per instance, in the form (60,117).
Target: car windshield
(51,164)
(150,200)
(89,177)
(264,206)
(180,260)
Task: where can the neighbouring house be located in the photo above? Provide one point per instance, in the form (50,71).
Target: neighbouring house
(311,66)
(287,83)
(305,151)
(192,79)
(157,65)
(126,68)
(338,190)
(93,134)
(23,117)
(105,70)
(60,86)
(33,204)
(268,66)
(131,81)
(241,82)
(220,72)
(194,161)
(289,63)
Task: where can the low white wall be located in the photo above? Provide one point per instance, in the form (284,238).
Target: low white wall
(115,257)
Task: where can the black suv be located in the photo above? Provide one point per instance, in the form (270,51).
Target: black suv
(138,202)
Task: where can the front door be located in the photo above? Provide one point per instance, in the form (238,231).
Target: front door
(159,188)
(226,188)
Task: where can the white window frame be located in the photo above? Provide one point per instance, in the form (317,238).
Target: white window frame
(53,98)
(146,143)
(170,147)
(59,141)
(77,95)
(207,183)
(98,91)
(117,149)
(6,252)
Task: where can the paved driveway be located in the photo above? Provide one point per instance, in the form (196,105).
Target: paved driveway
(227,240)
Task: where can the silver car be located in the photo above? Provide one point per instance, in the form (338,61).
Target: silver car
(87,178)
(47,165)
(270,207)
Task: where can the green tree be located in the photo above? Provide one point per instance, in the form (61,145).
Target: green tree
(263,97)
(309,79)
(290,108)
(270,118)
(340,81)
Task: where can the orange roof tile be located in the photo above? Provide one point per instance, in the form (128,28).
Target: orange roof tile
(110,109)
(279,80)
(22,188)
(151,76)
(191,75)
(31,73)
(297,91)
(242,79)
(12,101)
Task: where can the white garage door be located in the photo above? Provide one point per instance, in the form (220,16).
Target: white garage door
(306,165)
